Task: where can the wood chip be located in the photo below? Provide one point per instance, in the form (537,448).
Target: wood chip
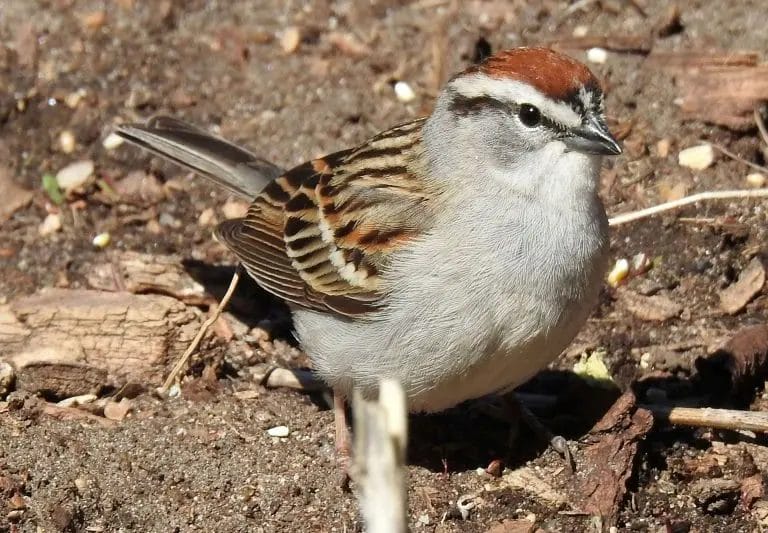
(657,308)
(751,280)
(752,489)
(530,481)
(606,464)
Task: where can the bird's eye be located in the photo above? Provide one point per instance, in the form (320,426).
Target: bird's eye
(530,115)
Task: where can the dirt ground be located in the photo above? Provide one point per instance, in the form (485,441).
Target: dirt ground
(204,461)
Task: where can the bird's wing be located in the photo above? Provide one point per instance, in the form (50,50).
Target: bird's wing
(320,235)
(228,165)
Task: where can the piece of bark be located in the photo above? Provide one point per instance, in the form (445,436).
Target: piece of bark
(607,462)
(738,365)
(656,308)
(58,338)
(148,274)
(726,96)
(715,496)
(512,526)
(694,60)
(737,295)
(752,489)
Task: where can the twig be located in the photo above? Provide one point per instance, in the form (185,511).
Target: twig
(181,363)
(708,417)
(624,218)
(738,158)
(761,125)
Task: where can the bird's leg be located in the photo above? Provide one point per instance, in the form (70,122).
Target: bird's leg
(522,413)
(343,439)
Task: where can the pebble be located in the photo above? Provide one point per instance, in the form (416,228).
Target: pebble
(404,92)
(279,431)
(112,141)
(597,55)
(663,146)
(67,141)
(618,273)
(291,39)
(101,240)
(697,157)
(207,217)
(756,180)
(580,31)
(51,224)
(234,208)
(7,377)
(75,174)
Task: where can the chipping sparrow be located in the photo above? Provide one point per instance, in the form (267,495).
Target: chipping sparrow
(458,253)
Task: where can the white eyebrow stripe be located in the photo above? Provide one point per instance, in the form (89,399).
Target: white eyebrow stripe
(479,85)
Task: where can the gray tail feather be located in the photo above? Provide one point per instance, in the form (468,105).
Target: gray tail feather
(225,164)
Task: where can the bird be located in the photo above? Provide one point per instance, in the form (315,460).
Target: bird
(458,253)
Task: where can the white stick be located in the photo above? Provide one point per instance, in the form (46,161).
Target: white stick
(379,461)
(623,218)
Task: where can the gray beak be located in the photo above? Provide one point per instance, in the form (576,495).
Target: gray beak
(592,137)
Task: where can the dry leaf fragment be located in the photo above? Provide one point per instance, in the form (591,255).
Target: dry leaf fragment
(657,308)
(751,280)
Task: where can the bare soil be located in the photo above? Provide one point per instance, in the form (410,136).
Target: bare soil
(204,461)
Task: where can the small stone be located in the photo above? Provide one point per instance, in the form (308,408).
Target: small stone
(597,55)
(662,147)
(249,394)
(697,157)
(279,431)
(645,361)
(67,141)
(94,20)
(580,31)
(112,141)
(207,217)
(234,208)
(51,224)
(101,240)
(618,273)
(74,175)
(73,99)
(290,39)
(117,410)
(7,377)
(404,92)
(756,180)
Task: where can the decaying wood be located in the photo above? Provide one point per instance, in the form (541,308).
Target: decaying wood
(148,274)
(721,88)
(57,338)
(379,462)
(607,462)
(737,366)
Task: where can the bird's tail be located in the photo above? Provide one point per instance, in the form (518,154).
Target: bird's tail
(225,164)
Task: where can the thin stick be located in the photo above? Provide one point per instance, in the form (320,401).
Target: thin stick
(739,158)
(714,418)
(761,126)
(623,218)
(181,363)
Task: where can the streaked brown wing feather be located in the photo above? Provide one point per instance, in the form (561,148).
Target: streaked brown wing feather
(320,235)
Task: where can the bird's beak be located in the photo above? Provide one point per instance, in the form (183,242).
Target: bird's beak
(592,137)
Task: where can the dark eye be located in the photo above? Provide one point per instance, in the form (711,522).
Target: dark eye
(530,115)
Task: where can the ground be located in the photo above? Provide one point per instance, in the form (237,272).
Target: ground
(204,461)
